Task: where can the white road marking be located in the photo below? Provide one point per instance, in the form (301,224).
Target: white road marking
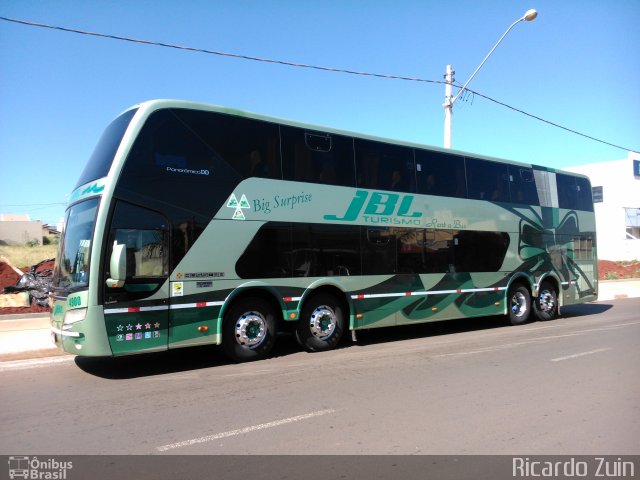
(582,354)
(505,346)
(472,352)
(248,373)
(532,328)
(240,431)
(537,340)
(625,324)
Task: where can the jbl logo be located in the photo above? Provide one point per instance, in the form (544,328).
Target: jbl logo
(385,204)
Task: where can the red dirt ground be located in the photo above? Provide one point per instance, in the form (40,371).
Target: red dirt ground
(9,278)
(608,270)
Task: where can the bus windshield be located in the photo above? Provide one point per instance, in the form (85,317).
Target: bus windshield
(100,162)
(71,272)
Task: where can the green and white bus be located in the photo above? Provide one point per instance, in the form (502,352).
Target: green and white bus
(194,224)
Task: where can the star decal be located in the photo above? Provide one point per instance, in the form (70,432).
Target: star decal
(119,328)
(129,327)
(147,326)
(138,327)
(157,324)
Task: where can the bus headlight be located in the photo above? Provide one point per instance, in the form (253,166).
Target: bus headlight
(73,316)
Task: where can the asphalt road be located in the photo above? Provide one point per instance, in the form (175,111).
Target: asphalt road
(570,386)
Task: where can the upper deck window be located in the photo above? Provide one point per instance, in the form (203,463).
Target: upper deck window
(523,185)
(440,174)
(197,158)
(487,180)
(385,167)
(574,192)
(317,157)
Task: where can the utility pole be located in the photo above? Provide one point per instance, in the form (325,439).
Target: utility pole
(529,16)
(448,105)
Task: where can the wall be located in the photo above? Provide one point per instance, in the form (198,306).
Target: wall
(20,232)
(620,190)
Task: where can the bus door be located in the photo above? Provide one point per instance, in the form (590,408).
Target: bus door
(136,290)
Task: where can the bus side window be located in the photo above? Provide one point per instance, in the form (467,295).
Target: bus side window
(325,250)
(523,186)
(384,167)
(379,251)
(440,174)
(267,254)
(145,235)
(487,180)
(317,157)
(249,148)
(574,192)
(476,251)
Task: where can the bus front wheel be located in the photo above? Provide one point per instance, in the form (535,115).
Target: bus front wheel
(322,323)
(249,330)
(519,304)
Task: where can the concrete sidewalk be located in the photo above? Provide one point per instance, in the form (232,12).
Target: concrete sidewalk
(615,289)
(29,336)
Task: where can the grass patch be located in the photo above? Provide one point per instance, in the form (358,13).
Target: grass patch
(627,263)
(23,256)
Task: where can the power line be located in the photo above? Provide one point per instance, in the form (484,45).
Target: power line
(549,122)
(215,52)
(300,65)
(31,204)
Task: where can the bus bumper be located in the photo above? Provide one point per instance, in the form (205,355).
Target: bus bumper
(80,331)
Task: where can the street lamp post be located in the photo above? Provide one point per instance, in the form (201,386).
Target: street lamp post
(529,16)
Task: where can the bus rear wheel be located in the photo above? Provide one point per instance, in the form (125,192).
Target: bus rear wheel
(249,330)
(545,306)
(322,323)
(519,304)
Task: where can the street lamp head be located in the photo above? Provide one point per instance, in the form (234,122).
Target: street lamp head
(530,15)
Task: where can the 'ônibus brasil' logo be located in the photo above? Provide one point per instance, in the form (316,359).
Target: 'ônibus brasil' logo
(379,204)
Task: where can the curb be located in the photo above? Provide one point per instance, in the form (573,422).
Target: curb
(31,354)
(24,316)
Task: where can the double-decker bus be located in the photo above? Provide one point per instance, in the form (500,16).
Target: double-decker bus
(194,224)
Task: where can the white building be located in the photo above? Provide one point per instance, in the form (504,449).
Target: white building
(616,197)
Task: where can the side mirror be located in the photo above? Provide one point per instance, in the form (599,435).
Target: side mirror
(118,266)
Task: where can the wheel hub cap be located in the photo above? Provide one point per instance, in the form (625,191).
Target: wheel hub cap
(251,329)
(518,304)
(322,322)
(546,301)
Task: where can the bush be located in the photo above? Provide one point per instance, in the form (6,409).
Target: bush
(33,243)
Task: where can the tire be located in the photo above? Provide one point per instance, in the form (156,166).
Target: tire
(322,323)
(249,330)
(519,304)
(545,306)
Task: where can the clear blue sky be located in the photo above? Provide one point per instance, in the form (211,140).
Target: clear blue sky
(576,65)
